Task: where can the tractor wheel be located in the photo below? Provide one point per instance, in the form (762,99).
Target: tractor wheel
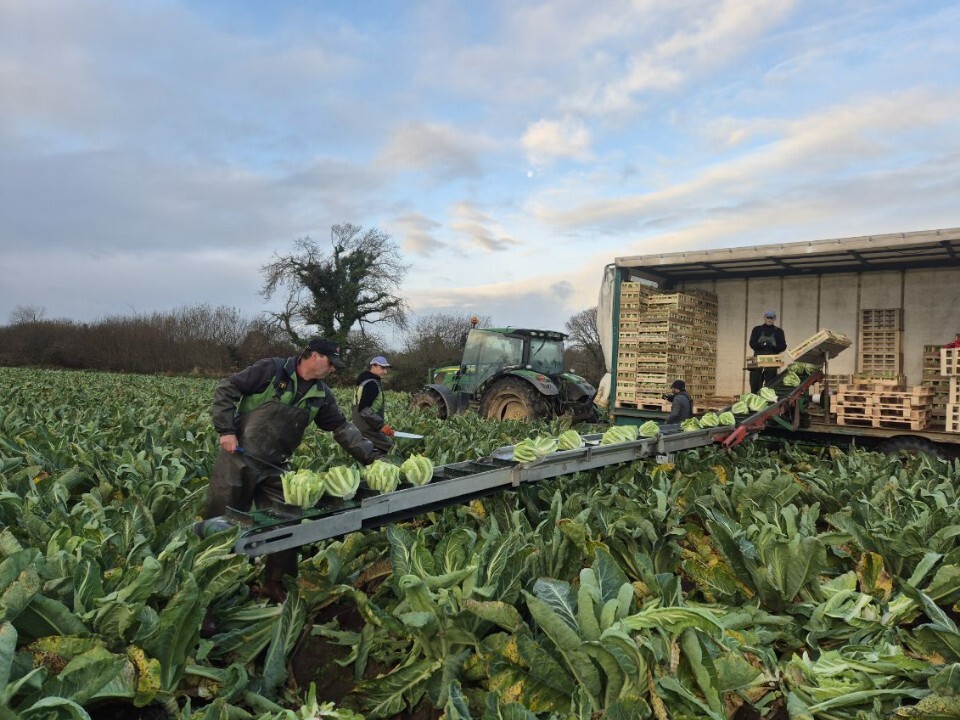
(911,445)
(429,401)
(513,399)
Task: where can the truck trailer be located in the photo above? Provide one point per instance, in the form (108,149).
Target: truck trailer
(841,285)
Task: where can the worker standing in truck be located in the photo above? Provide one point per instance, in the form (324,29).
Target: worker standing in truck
(261,414)
(681,404)
(766,339)
(370,405)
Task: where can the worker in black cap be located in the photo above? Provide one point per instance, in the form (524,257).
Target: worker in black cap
(265,410)
(766,339)
(681,406)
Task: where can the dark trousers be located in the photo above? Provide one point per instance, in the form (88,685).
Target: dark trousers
(760,377)
(235,483)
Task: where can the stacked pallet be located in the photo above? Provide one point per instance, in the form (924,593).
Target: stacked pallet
(881,406)
(880,347)
(940,384)
(673,335)
(950,367)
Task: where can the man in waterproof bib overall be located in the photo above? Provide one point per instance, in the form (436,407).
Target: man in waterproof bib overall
(265,410)
(369,405)
(766,339)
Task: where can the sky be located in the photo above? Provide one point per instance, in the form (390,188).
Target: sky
(157,154)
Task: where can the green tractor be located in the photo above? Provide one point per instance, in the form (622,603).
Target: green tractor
(508,374)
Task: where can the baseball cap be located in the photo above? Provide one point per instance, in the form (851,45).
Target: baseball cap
(679,385)
(380,360)
(770,314)
(328,348)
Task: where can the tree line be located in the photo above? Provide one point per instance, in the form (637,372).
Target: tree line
(345,293)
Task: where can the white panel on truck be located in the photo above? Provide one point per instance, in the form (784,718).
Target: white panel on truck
(931,314)
(731,336)
(839,312)
(762,294)
(880,290)
(800,308)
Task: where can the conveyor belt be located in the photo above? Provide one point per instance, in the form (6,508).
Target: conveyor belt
(286,527)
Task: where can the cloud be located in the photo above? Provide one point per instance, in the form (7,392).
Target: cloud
(907,129)
(479,228)
(434,148)
(547,140)
(123,199)
(418,233)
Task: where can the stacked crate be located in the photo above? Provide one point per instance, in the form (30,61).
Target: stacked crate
(673,336)
(632,301)
(939,383)
(950,367)
(880,348)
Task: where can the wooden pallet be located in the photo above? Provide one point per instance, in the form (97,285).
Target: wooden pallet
(881,319)
(880,341)
(915,395)
(883,422)
(877,382)
(880,363)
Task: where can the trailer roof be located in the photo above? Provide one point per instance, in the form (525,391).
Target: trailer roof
(897,251)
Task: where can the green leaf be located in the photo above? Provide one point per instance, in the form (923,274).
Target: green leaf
(559,597)
(499,613)
(795,562)
(568,644)
(8,648)
(495,710)
(46,616)
(54,707)
(86,674)
(285,635)
(19,582)
(404,687)
(87,585)
(675,620)
(456,707)
(177,633)
(609,574)
(947,681)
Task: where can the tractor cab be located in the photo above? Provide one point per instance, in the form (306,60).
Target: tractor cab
(487,353)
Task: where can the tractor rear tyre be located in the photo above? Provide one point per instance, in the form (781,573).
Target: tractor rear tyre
(513,399)
(429,401)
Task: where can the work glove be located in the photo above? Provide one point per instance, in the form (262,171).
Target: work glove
(387,430)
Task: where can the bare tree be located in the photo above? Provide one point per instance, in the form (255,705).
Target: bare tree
(354,285)
(585,341)
(24,314)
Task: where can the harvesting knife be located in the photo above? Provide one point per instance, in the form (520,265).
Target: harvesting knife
(406,435)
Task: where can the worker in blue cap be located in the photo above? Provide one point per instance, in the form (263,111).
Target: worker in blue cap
(370,405)
(766,339)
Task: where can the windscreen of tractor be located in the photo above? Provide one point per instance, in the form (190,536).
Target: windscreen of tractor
(546,356)
(486,354)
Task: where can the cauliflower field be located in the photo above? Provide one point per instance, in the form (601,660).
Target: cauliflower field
(766,582)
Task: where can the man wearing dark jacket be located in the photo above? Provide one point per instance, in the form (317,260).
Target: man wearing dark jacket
(261,414)
(369,405)
(681,406)
(766,339)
